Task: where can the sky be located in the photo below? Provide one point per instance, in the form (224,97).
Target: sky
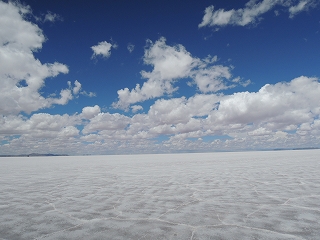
(125,77)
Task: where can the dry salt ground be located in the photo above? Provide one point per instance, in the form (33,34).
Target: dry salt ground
(243,195)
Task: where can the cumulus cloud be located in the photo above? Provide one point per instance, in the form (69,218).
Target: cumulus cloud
(21,74)
(251,13)
(285,114)
(42,133)
(65,96)
(180,110)
(136,108)
(274,107)
(90,112)
(40,124)
(103,49)
(212,79)
(106,121)
(14,28)
(170,64)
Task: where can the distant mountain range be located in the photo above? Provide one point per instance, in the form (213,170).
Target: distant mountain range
(35,155)
(52,155)
(302,148)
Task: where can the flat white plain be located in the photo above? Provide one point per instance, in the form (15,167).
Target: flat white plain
(239,195)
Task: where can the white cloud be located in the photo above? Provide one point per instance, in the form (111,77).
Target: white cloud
(88,94)
(260,132)
(180,110)
(130,47)
(52,17)
(103,49)
(219,17)
(274,107)
(240,17)
(282,115)
(22,75)
(302,5)
(106,121)
(90,112)
(250,13)
(15,31)
(170,64)
(76,88)
(150,89)
(136,108)
(212,79)
(65,96)
(40,124)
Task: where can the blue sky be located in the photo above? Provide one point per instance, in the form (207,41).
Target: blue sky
(118,77)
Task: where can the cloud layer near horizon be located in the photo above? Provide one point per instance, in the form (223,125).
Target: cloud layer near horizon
(285,114)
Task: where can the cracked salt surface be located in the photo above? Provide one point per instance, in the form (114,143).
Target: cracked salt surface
(246,195)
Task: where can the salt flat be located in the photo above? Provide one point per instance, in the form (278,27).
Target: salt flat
(243,195)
